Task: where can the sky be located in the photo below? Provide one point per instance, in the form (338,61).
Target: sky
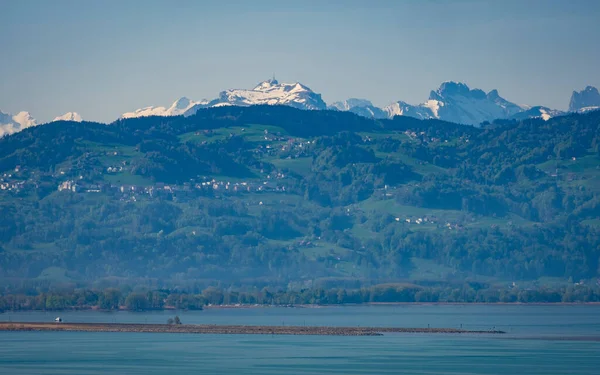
(104,58)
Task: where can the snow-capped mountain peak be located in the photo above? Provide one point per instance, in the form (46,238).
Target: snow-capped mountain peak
(427,110)
(69,116)
(585,100)
(272,92)
(182,105)
(24,119)
(451,101)
(179,107)
(451,89)
(361,107)
(145,112)
(265,85)
(542,112)
(347,104)
(456,102)
(10,124)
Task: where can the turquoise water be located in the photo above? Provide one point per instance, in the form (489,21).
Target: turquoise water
(534,345)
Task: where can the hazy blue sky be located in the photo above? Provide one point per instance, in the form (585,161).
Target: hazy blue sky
(103,58)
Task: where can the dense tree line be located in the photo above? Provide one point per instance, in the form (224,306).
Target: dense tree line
(115,299)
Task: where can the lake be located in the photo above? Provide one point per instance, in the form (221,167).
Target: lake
(557,339)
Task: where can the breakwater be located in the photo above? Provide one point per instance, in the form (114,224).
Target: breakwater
(229,329)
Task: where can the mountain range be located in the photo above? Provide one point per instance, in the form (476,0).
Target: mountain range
(452,102)
(456,102)
(269,92)
(179,107)
(10,124)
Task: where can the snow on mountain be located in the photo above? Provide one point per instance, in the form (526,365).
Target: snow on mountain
(224,104)
(272,92)
(470,106)
(588,109)
(369,112)
(361,107)
(456,102)
(69,116)
(452,101)
(145,112)
(179,107)
(422,112)
(346,105)
(544,113)
(10,124)
(183,105)
(269,92)
(506,106)
(585,100)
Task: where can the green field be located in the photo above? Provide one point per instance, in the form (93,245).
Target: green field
(302,166)
(126,178)
(251,133)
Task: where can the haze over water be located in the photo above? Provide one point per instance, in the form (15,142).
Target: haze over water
(540,340)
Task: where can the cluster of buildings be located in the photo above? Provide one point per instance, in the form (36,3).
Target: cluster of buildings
(81,187)
(422,136)
(8,182)
(115,169)
(292,148)
(270,184)
(419,220)
(429,220)
(11,185)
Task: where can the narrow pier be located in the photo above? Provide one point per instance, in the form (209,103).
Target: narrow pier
(228,329)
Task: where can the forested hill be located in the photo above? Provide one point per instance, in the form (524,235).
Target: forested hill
(267,195)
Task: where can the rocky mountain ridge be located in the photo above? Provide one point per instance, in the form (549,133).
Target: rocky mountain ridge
(452,101)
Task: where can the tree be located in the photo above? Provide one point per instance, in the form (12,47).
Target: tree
(136,302)
(109,300)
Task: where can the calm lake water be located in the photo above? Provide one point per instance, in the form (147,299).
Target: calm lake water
(540,340)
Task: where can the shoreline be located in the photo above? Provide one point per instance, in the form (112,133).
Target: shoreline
(310,306)
(229,329)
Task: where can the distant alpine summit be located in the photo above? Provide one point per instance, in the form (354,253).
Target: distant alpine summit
(10,124)
(452,101)
(69,116)
(456,102)
(269,92)
(179,107)
(585,100)
(273,93)
(361,107)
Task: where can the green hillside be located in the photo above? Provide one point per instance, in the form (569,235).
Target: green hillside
(273,196)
